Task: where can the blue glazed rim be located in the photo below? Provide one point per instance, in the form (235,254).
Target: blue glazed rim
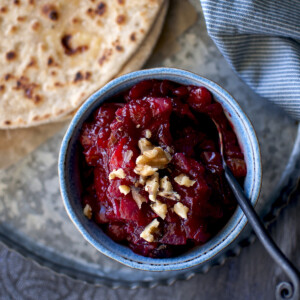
(200,254)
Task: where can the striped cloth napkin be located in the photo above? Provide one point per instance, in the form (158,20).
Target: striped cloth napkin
(261,41)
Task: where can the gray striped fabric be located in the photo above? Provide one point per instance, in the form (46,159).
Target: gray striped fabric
(261,41)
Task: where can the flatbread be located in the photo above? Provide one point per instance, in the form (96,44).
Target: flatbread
(17,143)
(140,57)
(56,53)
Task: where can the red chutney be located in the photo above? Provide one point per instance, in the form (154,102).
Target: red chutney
(151,156)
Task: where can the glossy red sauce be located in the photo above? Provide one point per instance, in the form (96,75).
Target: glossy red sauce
(179,118)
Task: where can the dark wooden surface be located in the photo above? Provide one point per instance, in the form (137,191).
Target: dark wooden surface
(251,275)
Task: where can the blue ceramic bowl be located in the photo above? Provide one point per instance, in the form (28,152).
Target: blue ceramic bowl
(70,186)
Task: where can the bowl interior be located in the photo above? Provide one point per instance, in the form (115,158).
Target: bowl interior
(70,183)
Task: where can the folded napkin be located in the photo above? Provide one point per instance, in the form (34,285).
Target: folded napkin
(261,41)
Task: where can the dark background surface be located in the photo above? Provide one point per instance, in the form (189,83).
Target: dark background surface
(251,275)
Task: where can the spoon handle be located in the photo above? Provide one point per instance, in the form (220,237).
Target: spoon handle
(284,290)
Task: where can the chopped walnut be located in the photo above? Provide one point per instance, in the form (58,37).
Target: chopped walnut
(156,157)
(142,180)
(147,164)
(144,145)
(144,170)
(152,186)
(165,184)
(159,208)
(138,126)
(148,134)
(184,180)
(151,228)
(151,159)
(167,190)
(170,195)
(137,197)
(117,174)
(87,211)
(124,189)
(181,210)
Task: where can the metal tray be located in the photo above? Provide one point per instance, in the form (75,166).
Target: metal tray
(34,222)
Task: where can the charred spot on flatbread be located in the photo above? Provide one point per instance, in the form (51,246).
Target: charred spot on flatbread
(58,84)
(87,75)
(66,43)
(119,48)
(101,9)
(28,88)
(21,18)
(7,76)
(51,11)
(107,53)
(3,9)
(121,19)
(51,62)
(80,76)
(13,29)
(11,55)
(133,37)
(31,63)
(76,20)
(35,25)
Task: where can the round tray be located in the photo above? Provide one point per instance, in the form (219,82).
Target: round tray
(34,222)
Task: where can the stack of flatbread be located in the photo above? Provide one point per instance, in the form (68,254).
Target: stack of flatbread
(55,53)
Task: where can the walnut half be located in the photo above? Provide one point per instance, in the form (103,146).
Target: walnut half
(151,159)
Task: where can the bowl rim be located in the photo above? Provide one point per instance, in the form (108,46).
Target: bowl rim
(168,264)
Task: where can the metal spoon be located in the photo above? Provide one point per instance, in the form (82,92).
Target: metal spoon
(284,290)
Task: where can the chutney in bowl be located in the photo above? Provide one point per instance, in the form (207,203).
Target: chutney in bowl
(140,169)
